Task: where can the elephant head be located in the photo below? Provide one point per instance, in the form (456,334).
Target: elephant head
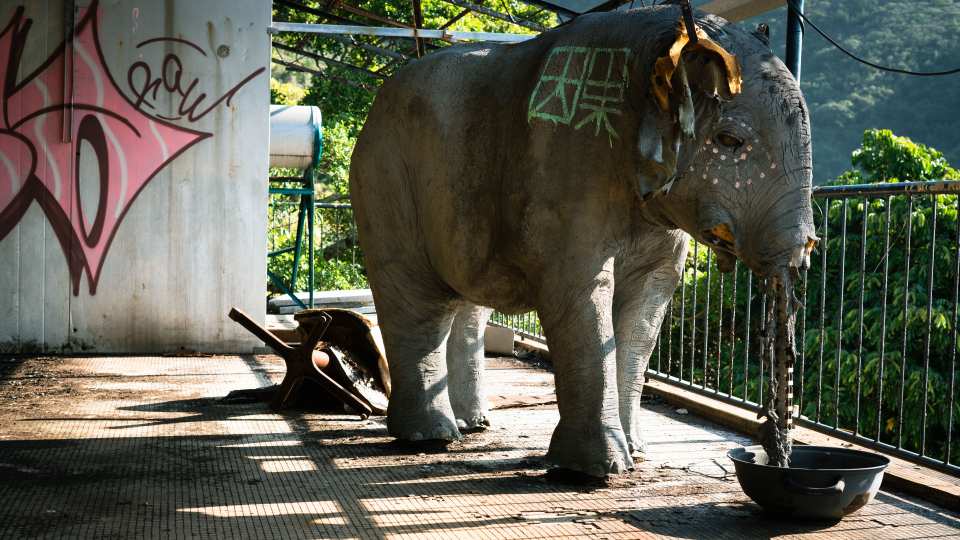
(745,188)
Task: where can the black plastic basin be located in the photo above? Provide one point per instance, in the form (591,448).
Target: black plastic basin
(821,483)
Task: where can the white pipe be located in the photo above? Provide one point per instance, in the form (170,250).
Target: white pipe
(293,135)
(387,31)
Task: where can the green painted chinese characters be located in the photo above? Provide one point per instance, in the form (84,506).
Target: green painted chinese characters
(585,84)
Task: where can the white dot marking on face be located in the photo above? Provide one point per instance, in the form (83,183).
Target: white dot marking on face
(773,166)
(737,185)
(762,175)
(749,181)
(691,168)
(715,180)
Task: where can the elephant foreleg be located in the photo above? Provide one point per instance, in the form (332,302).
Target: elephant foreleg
(579,331)
(645,282)
(465,365)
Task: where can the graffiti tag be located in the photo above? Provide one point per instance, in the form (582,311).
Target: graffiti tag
(145,86)
(47,131)
(587,80)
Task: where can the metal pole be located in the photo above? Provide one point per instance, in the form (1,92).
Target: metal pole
(794,37)
(311,202)
(418,24)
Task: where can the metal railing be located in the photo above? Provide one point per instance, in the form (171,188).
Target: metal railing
(881,288)
(337,257)
(524,324)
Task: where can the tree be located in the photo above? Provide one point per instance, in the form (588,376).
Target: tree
(344,95)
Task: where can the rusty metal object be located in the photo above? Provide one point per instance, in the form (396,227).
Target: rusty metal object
(688,20)
(320,359)
(303,363)
(358,360)
(351,331)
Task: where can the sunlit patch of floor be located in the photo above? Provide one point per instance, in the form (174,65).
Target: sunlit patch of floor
(134,447)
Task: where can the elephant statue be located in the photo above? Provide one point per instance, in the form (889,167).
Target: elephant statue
(564,174)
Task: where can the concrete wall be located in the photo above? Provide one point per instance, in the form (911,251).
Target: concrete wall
(133,219)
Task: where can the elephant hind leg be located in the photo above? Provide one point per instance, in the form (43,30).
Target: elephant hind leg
(465,366)
(415,315)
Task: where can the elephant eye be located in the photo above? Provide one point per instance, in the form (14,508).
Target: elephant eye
(729,140)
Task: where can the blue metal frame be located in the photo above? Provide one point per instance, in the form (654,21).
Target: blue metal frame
(304,187)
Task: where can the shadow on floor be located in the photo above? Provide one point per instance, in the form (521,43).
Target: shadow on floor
(280,477)
(280,484)
(63,485)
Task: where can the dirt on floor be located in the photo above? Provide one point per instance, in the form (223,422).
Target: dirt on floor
(137,447)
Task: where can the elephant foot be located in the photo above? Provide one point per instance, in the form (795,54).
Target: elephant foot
(473,423)
(594,451)
(429,425)
(638,446)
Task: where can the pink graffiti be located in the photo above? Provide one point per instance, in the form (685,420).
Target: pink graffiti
(43,128)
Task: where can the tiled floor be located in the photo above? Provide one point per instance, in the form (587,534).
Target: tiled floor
(124,447)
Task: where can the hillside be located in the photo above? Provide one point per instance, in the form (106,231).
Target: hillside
(846,97)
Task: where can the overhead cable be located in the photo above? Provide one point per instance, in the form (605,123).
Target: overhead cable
(833,42)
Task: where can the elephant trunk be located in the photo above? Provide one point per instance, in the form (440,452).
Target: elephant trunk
(767,238)
(783,234)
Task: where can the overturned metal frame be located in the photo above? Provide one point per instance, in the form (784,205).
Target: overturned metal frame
(304,362)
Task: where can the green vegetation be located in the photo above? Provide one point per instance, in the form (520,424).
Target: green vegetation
(845,97)
(338,261)
(345,95)
(890,333)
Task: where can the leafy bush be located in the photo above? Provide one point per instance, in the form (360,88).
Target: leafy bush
(344,97)
(285,93)
(338,261)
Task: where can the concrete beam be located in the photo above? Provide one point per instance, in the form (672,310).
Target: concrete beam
(738,10)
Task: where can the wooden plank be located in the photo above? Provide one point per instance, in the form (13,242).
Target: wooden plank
(738,10)
(418,23)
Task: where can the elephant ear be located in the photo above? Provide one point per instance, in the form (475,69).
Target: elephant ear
(685,73)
